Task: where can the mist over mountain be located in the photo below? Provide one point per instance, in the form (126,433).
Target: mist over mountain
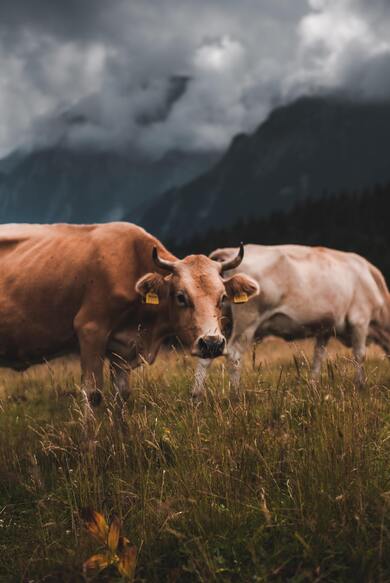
(65,176)
(105,105)
(302,150)
(102,67)
(311,146)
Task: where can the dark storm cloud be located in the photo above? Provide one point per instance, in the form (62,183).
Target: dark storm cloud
(101,71)
(67,19)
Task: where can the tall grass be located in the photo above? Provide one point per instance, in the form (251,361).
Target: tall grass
(288,481)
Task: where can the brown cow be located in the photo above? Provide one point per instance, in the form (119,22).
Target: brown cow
(106,290)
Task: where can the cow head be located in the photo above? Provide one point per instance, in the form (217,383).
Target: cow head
(194,293)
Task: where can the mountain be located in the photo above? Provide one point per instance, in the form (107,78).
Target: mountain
(65,178)
(60,183)
(312,146)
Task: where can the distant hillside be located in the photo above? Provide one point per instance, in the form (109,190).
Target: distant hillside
(354,221)
(304,149)
(63,184)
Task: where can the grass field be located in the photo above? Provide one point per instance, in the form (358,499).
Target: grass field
(288,482)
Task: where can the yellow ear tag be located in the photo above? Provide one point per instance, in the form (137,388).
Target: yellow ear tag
(240,298)
(151,298)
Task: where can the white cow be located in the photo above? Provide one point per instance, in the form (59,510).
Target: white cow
(306,292)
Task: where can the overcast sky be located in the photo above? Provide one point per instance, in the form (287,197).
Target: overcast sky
(99,72)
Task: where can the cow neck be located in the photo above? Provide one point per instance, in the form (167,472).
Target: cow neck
(154,328)
(163,322)
(156,323)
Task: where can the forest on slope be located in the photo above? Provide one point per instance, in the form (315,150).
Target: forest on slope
(350,221)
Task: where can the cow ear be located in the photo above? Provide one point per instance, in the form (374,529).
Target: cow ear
(240,288)
(151,287)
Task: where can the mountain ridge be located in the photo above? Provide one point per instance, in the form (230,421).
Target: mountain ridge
(303,149)
(60,184)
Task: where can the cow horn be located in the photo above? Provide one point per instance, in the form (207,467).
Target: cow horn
(162,263)
(235,262)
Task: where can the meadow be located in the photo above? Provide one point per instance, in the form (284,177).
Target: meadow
(287,481)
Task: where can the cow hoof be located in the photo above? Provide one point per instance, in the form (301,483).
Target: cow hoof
(196,398)
(95,398)
(125,395)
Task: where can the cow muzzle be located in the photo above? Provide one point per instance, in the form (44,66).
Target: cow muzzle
(209,346)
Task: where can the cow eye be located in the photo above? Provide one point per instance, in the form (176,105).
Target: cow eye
(223,299)
(181,299)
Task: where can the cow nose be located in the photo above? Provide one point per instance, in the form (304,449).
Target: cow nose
(211,346)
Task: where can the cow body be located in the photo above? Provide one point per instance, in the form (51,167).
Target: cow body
(67,288)
(307,292)
(55,278)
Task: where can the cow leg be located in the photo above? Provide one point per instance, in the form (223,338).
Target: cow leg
(92,340)
(234,367)
(359,341)
(198,388)
(119,373)
(238,343)
(381,337)
(318,357)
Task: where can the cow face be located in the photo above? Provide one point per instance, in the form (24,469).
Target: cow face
(194,293)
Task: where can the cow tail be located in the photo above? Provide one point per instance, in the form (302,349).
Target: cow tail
(380,328)
(379,280)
